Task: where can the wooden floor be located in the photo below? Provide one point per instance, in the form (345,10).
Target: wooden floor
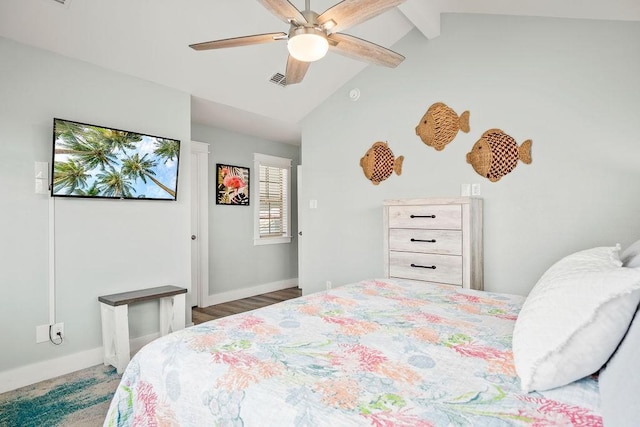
(217,311)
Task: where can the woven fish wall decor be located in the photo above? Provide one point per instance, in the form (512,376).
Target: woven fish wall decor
(379,163)
(496,154)
(440,125)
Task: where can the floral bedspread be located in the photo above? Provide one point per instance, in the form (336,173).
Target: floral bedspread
(374,353)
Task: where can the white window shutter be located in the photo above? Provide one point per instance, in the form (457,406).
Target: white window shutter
(272,201)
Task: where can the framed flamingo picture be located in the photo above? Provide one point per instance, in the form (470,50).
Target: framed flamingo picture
(232,185)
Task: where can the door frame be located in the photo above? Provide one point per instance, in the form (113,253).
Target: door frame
(200,221)
(300,226)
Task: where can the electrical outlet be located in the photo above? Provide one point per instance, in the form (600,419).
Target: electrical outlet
(329,285)
(57,331)
(465,190)
(475,189)
(42,333)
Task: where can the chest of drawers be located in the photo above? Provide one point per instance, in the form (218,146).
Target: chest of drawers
(437,240)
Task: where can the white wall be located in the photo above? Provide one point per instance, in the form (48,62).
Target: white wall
(103,246)
(572,86)
(236,266)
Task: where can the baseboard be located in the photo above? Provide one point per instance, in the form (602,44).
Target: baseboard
(249,292)
(48,369)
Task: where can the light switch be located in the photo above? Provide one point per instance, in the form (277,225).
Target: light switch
(313,204)
(41,173)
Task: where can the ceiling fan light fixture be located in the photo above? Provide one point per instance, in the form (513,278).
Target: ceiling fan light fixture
(307,44)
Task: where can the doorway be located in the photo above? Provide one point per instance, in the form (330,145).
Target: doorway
(300,226)
(200,222)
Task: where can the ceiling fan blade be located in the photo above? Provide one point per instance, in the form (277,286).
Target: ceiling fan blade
(296,70)
(356,48)
(348,13)
(284,10)
(238,41)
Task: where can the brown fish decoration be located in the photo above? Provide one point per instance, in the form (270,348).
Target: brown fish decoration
(379,162)
(440,125)
(496,154)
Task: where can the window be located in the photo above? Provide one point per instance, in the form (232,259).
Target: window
(271,200)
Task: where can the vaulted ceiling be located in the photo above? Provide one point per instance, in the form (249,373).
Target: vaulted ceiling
(231,88)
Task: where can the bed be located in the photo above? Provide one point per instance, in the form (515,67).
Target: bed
(374,353)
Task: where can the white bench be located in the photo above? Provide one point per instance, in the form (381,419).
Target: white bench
(114,312)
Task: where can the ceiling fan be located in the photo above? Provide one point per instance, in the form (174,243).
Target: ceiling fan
(311,34)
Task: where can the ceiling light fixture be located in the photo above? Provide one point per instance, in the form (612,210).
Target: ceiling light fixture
(307,44)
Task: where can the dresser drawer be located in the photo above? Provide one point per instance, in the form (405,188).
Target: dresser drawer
(445,242)
(417,266)
(444,217)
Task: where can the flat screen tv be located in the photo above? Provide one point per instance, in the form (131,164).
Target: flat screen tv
(98,162)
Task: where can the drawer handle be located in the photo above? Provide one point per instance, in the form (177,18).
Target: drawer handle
(433,267)
(425,241)
(422,216)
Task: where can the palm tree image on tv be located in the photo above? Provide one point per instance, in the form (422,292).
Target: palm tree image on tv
(93,161)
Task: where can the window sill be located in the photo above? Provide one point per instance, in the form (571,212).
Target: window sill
(271,241)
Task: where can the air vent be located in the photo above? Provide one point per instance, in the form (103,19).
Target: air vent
(277,78)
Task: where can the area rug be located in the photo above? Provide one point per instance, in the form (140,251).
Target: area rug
(78,399)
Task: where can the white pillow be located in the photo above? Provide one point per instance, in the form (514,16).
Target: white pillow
(574,318)
(631,256)
(619,382)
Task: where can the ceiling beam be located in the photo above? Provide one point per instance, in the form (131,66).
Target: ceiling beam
(424,15)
